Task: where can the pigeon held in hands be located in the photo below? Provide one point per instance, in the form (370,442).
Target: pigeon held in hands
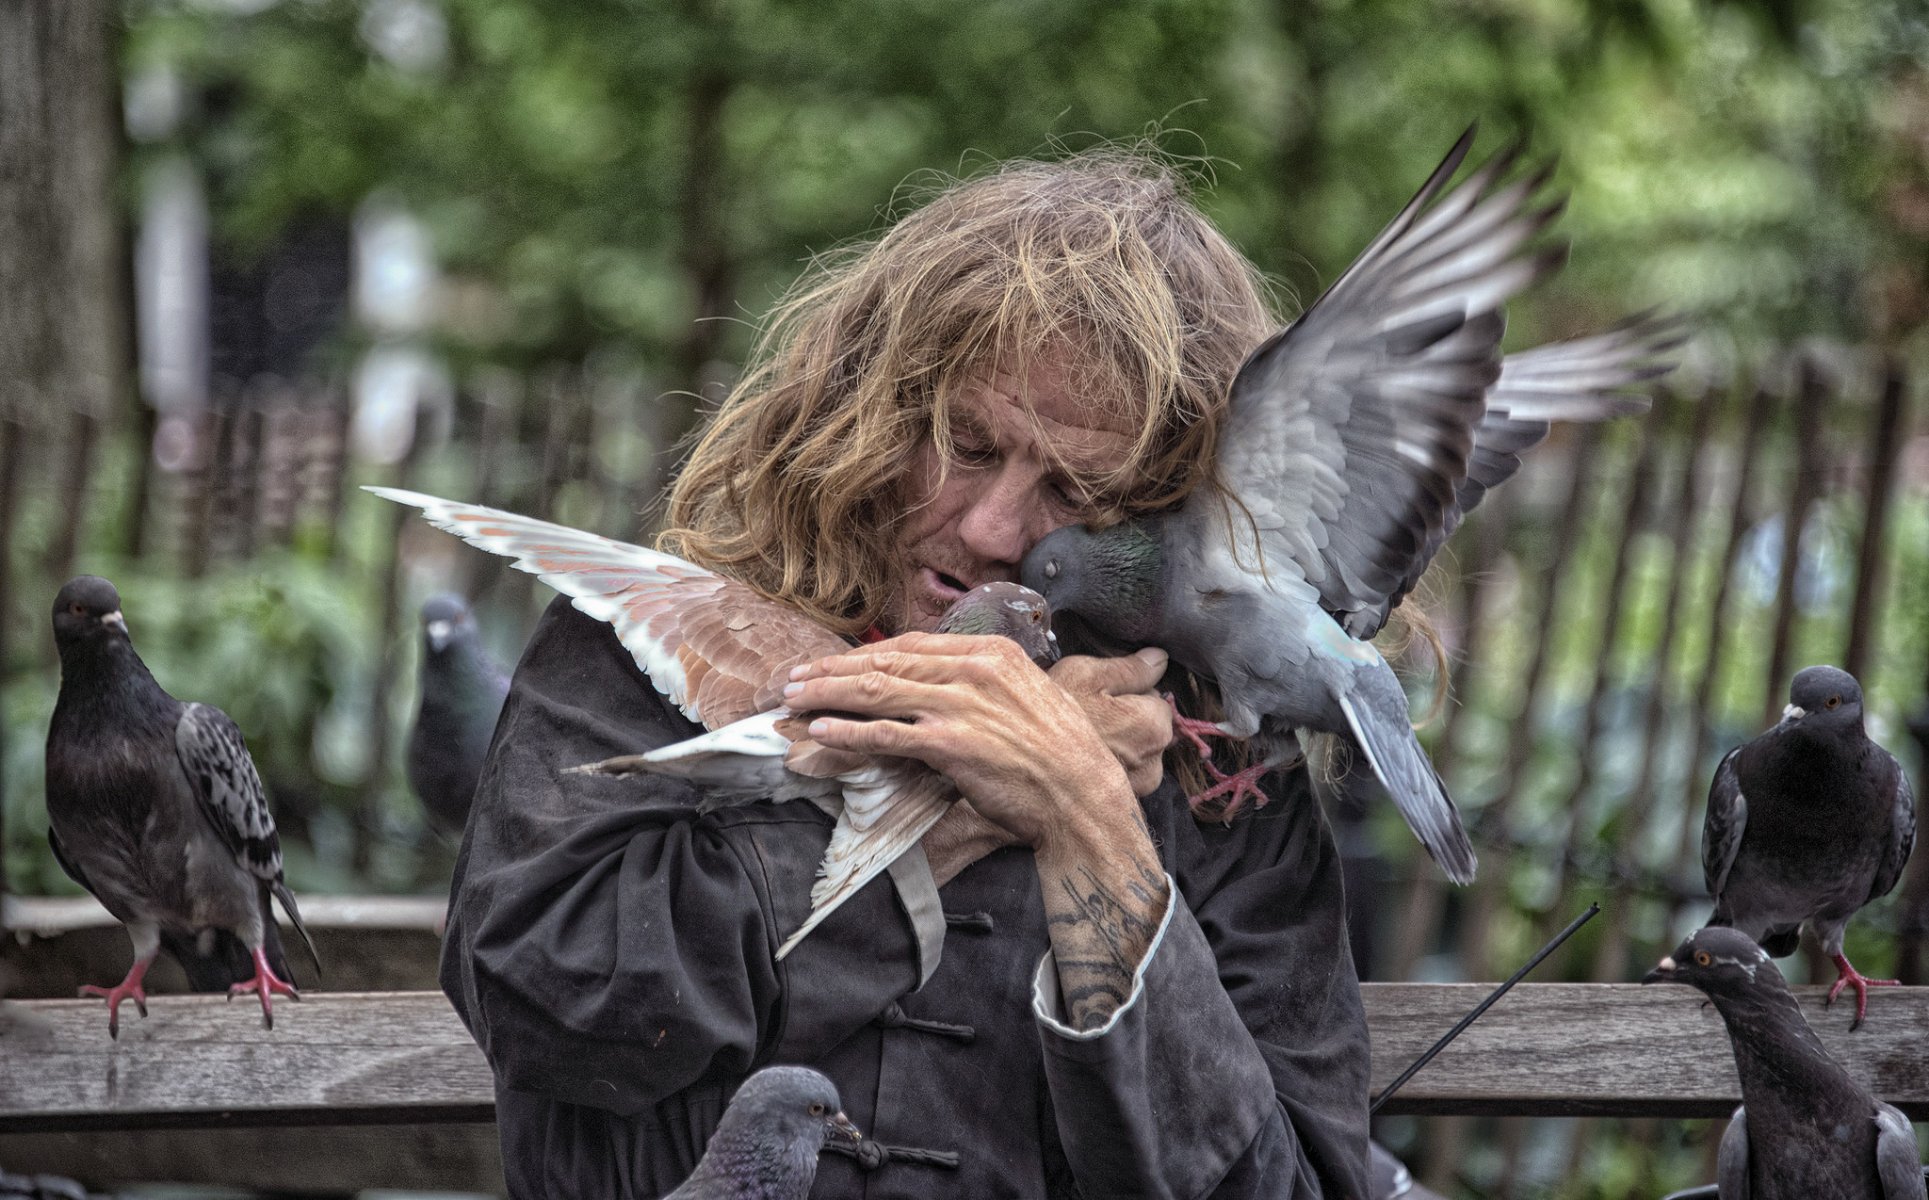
(1808,822)
(1806,1128)
(155,807)
(1358,438)
(722,653)
(766,1145)
(771,756)
(462,694)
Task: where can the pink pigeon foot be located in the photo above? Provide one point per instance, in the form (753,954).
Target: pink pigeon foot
(1192,728)
(1848,976)
(1239,785)
(265,984)
(127,989)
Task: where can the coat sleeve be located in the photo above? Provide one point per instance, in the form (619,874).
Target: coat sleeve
(608,944)
(1238,1066)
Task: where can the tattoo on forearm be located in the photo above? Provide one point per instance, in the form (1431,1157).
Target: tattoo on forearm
(1100,931)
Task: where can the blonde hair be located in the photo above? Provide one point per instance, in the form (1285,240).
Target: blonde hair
(800,482)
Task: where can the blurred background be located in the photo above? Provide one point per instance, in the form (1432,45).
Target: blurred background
(255,253)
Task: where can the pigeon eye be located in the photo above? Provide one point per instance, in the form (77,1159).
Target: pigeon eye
(817,1110)
(1051,569)
(77,608)
(1702,958)
(1832,702)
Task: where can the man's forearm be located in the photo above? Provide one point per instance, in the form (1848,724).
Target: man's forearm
(1104,894)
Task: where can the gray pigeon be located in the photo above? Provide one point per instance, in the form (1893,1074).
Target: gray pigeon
(462,694)
(766,1145)
(1808,822)
(154,806)
(1358,438)
(1805,1129)
(722,653)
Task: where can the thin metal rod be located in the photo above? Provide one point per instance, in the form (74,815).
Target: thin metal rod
(1482,1007)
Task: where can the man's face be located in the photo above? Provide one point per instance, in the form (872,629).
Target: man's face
(1002,493)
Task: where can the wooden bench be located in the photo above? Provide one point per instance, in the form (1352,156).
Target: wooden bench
(358,1090)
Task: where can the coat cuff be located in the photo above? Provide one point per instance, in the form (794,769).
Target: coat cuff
(1171,1092)
(1048,1003)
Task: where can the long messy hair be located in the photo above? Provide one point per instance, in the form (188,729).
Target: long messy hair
(799,485)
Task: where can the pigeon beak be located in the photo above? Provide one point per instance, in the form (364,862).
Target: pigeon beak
(840,1129)
(1793,713)
(439,632)
(1663,972)
(1051,646)
(115,620)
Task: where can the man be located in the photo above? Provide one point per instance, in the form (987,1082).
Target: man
(1129,1002)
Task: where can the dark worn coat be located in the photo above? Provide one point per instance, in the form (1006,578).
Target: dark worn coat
(611,951)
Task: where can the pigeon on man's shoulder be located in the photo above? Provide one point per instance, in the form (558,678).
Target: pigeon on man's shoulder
(463,690)
(155,807)
(1806,1128)
(1809,822)
(766,1145)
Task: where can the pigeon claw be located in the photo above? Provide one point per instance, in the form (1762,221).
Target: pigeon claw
(1238,785)
(1848,976)
(265,984)
(1192,728)
(127,989)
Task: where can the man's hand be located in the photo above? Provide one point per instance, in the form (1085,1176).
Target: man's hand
(1117,695)
(1019,746)
(1042,761)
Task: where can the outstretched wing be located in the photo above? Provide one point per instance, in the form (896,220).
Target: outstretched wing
(1722,828)
(715,647)
(1902,836)
(1352,429)
(225,783)
(1587,379)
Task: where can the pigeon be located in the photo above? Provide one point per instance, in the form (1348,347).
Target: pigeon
(462,694)
(1808,822)
(722,653)
(1359,436)
(766,1145)
(1805,1128)
(154,806)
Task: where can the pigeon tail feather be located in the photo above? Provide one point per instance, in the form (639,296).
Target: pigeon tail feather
(1375,708)
(287,898)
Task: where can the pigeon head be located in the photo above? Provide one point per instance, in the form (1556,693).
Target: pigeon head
(87,612)
(445,618)
(1009,610)
(788,1106)
(1111,577)
(1823,698)
(1722,963)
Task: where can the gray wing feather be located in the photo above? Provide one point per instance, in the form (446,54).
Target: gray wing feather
(1902,838)
(1896,1162)
(224,780)
(1352,429)
(1588,379)
(1731,1161)
(1376,709)
(1722,829)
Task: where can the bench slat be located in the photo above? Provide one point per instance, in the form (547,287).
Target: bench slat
(353,1058)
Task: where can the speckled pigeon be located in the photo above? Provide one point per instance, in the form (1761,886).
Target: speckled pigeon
(1805,1129)
(1359,436)
(1808,822)
(154,806)
(766,1145)
(722,653)
(462,694)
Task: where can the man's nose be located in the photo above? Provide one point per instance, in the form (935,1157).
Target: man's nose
(998,527)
